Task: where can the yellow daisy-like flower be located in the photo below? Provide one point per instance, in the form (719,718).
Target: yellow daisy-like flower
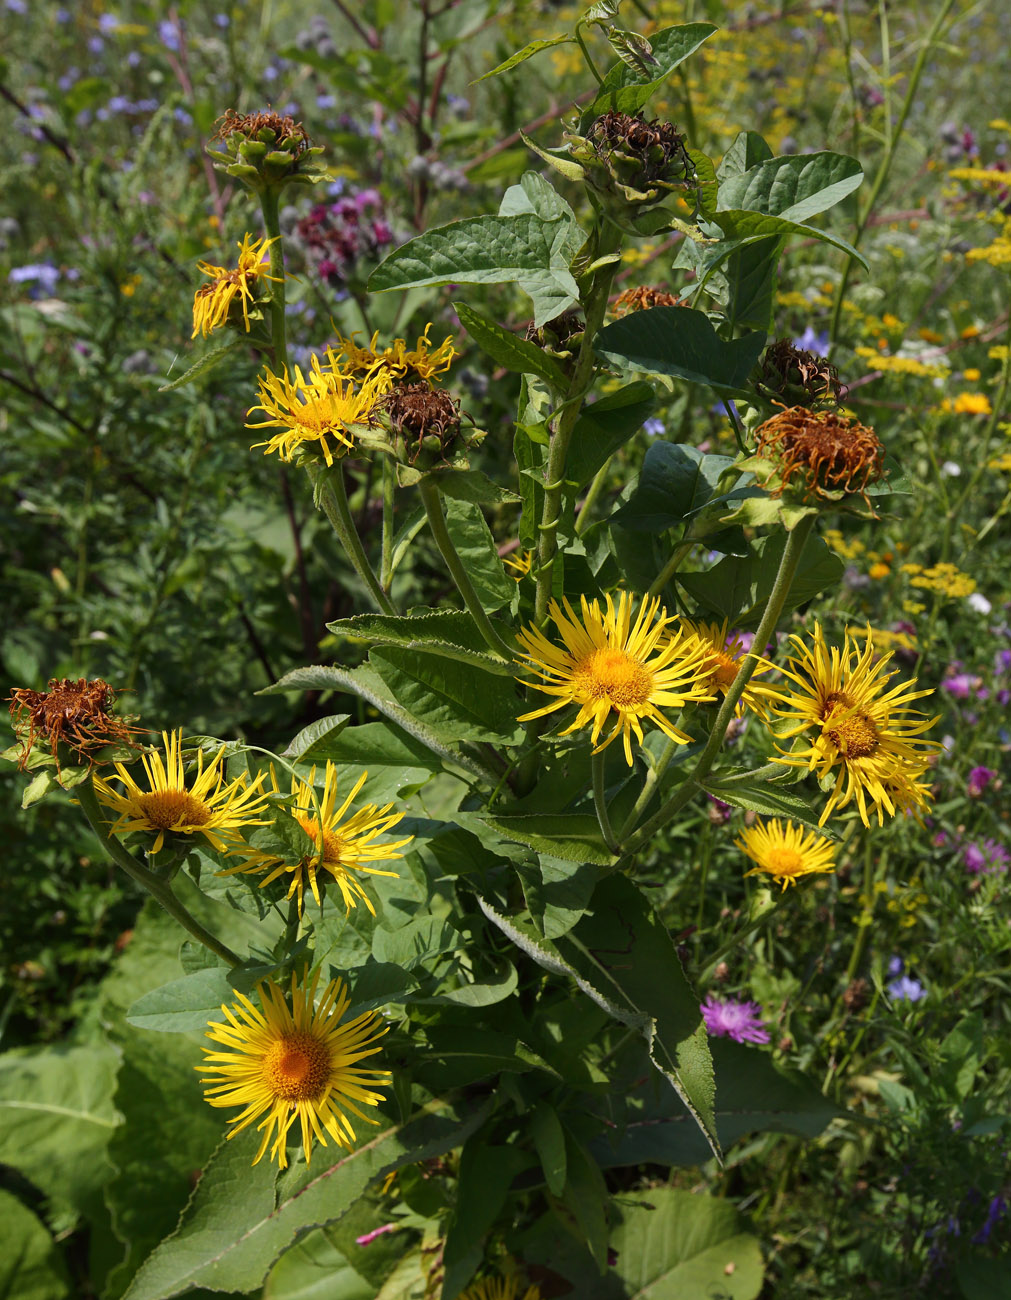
(342,847)
(315,411)
(612,667)
(785,851)
(862,728)
(209,807)
(500,1288)
(519,563)
(298,1063)
(212,302)
(397,359)
(728,653)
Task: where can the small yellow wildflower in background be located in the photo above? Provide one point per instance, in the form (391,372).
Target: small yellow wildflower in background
(864,732)
(612,668)
(848,550)
(879,570)
(343,847)
(311,413)
(785,851)
(997,253)
(130,286)
(967,404)
(971,375)
(945,578)
(902,365)
(213,302)
(1002,463)
(298,1063)
(885,640)
(907,903)
(397,359)
(209,807)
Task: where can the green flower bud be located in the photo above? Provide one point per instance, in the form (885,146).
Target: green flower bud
(265,151)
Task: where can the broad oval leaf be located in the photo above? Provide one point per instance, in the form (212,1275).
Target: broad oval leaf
(794,187)
(682,342)
(624,88)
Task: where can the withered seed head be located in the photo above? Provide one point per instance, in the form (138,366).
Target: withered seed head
(643,297)
(830,452)
(266,127)
(798,377)
(657,146)
(75,714)
(427,419)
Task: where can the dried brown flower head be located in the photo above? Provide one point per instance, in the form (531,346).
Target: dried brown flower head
(427,419)
(856,995)
(832,453)
(266,127)
(798,377)
(644,296)
(658,148)
(77,715)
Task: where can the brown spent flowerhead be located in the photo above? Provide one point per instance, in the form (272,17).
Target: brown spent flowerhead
(266,128)
(644,296)
(427,419)
(798,377)
(76,714)
(657,146)
(832,453)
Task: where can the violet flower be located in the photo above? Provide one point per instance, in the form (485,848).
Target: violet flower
(728,1018)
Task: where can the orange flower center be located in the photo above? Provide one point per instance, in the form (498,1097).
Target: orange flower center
(166,809)
(784,862)
(724,670)
(854,735)
(332,846)
(615,675)
(296,1067)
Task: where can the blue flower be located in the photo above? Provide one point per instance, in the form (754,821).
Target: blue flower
(654,427)
(906,989)
(809,341)
(43,274)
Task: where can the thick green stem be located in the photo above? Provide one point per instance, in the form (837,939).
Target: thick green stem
(437,522)
(777,599)
(600,802)
(670,568)
(333,498)
(608,238)
(156,885)
(272,226)
(389,489)
(594,491)
(891,147)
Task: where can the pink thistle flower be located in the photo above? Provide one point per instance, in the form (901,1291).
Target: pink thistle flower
(741,1021)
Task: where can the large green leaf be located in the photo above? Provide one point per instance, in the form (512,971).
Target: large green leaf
(457,701)
(676,480)
(738,588)
(678,1243)
(509,349)
(168,1131)
(450,633)
(745,225)
(750,275)
(56,1118)
(238,1222)
(536,194)
(747,151)
(767,798)
(489,250)
(575,837)
(184,1005)
(982,1277)
(622,957)
(626,91)
(311,742)
(476,548)
(682,342)
(486,1173)
(315,1269)
(752,1095)
(31,1268)
(376,744)
(604,426)
(366,683)
(793,187)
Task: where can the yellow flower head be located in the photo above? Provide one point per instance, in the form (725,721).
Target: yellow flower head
(212,302)
(785,851)
(864,732)
(397,359)
(968,404)
(311,413)
(519,563)
(294,1063)
(343,847)
(611,667)
(728,653)
(209,807)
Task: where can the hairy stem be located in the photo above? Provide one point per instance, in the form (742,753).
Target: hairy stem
(437,523)
(333,498)
(156,885)
(600,802)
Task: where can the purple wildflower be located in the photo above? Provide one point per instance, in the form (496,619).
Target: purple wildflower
(653,427)
(896,966)
(906,989)
(985,858)
(979,779)
(993,1216)
(741,1021)
(960,685)
(168,33)
(811,341)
